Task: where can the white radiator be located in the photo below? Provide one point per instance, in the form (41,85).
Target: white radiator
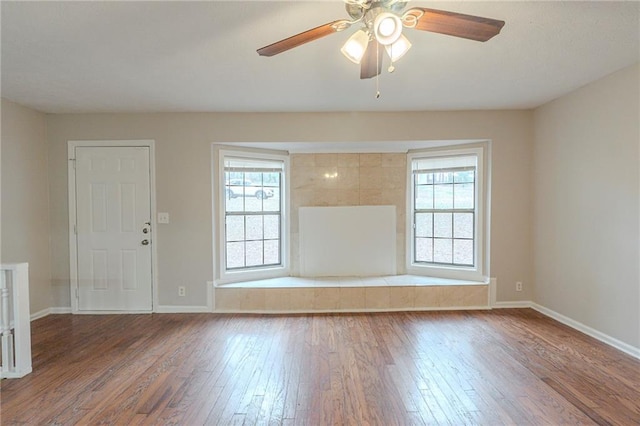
(15,323)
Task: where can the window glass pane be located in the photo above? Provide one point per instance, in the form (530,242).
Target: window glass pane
(463,225)
(463,252)
(464,197)
(443,177)
(237,187)
(235,228)
(271,227)
(235,255)
(250,204)
(234,204)
(271,180)
(256,201)
(442,226)
(233,199)
(423,178)
(271,252)
(424,249)
(253,179)
(272,202)
(443,196)
(424,224)
(464,176)
(424,197)
(254,227)
(254,253)
(253,192)
(442,251)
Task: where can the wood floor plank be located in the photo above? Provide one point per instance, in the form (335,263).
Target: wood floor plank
(477,367)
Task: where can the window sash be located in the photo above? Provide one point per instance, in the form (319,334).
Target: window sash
(237,164)
(432,238)
(452,238)
(246,240)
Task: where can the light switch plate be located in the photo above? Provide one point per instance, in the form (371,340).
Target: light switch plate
(163,217)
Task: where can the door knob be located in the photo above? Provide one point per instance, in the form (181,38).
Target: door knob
(145,231)
(145,242)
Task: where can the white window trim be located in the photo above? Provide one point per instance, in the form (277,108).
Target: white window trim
(222,276)
(480,272)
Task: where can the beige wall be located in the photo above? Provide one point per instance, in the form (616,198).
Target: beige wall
(586,205)
(577,209)
(183,164)
(25,198)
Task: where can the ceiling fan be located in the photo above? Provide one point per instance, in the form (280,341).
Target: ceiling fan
(382,23)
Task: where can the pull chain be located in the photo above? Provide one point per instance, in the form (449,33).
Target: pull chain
(378,69)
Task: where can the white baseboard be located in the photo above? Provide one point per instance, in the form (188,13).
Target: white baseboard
(160,309)
(349,311)
(48,311)
(605,338)
(170,309)
(15,374)
(514,304)
(40,314)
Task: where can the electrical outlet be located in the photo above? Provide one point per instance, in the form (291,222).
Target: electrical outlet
(182,291)
(163,217)
(519,286)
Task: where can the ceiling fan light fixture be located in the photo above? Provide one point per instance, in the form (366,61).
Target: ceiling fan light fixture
(387,28)
(399,48)
(355,46)
(382,23)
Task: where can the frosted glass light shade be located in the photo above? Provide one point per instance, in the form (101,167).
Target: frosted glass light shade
(387,28)
(399,48)
(355,46)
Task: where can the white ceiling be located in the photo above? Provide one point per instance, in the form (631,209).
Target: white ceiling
(201,56)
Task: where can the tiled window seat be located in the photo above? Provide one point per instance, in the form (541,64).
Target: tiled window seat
(350,294)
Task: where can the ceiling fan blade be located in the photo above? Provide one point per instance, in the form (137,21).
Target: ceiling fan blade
(453,24)
(303,37)
(371,64)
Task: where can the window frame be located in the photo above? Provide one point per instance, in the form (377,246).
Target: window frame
(227,276)
(480,271)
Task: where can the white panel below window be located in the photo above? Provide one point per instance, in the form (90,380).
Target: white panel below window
(347,241)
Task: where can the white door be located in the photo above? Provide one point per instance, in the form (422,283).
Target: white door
(113,215)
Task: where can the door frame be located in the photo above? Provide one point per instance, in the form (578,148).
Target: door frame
(73,242)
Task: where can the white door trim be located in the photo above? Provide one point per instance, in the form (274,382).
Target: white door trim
(73,244)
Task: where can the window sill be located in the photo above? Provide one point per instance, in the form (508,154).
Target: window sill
(328,282)
(447,273)
(256,275)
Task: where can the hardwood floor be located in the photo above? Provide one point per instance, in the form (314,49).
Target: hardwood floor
(481,367)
